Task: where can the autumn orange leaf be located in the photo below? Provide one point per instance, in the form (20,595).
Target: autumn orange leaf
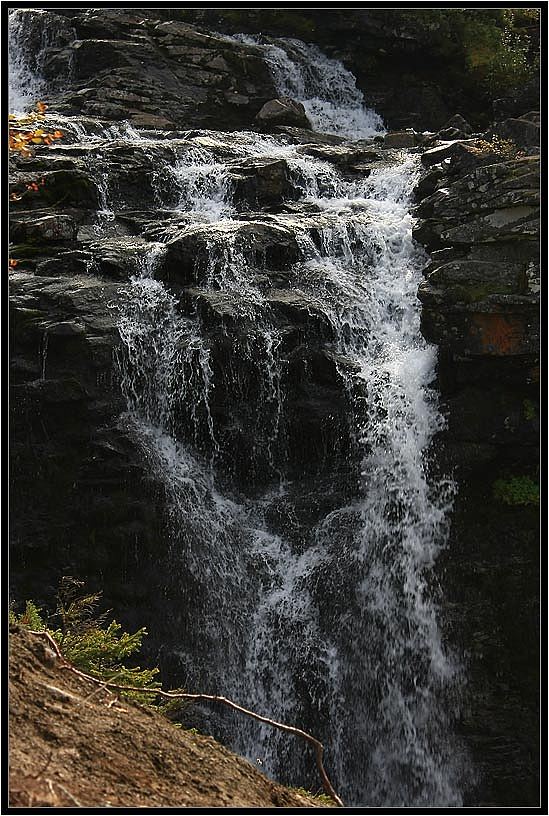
(13,263)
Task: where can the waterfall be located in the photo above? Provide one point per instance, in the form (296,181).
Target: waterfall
(380,668)
(32,33)
(26,85)
(326,89)
(336,626)
(305,582)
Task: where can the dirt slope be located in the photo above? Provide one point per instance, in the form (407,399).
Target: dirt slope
(73,744)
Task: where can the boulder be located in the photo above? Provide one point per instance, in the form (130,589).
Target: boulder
(149,121)
(73,186)
(282,111)
(523,132)
(261,182)
(48,228)
(455,128)
(399,138)
(341,155)
(298,135)
(194,250)
(446,151)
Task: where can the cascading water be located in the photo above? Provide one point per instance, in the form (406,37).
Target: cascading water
(31,32)
(342,626)
(26,86)
(307,595)
(326,89)
(379,666)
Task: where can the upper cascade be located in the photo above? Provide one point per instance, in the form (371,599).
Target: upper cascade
(326,89)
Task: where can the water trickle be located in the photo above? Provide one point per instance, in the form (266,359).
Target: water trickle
(44,354)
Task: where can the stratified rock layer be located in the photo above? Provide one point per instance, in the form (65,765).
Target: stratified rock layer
(479,217)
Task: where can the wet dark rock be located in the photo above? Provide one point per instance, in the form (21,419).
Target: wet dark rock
(457,121)
(344,156)
(491,560)
(213,306)
(429,182)
(38,303)
(305,136)
(455,128)
(263,244)
(446,151)
(27,228)
(301,310)
(117,258)
(156,74)
(282,111)
(261,182)
(70,185)
(71,262)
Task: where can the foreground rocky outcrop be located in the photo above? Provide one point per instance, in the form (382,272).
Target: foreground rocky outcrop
(74,745)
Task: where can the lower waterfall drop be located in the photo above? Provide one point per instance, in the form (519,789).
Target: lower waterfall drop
(331,623)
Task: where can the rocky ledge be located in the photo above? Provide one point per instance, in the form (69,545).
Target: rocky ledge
(478,215)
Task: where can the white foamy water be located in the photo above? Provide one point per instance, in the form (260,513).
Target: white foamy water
(382,667)
(25,85)
(326,89)
(381,677)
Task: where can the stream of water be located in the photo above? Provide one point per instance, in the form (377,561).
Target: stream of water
(326,618)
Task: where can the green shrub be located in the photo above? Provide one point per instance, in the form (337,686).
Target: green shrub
(320,797)
(517,491)
(90,643)
(492,48)
(30,618)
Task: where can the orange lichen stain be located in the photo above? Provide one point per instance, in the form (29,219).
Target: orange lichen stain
(498,334)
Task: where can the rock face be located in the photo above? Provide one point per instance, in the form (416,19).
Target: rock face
(479,217)
(118,65)
(481,293)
